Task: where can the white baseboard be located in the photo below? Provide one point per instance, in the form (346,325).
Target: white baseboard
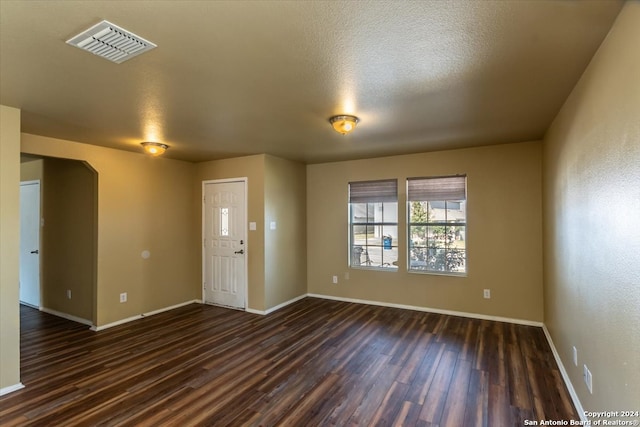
(277,307)
(140,316)
(565,376)
(431,310)
(116,323)
(11,389)
(67,316)
(284,304)
(29,305)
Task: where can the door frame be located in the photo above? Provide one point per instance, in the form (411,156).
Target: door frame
(245,181)
(39,184)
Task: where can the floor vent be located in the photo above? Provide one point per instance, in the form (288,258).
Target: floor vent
(111,42)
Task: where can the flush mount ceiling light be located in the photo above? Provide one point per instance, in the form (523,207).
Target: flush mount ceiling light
(154,148)
(344,124)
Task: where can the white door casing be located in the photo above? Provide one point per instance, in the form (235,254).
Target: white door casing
(224,243)
(30,243)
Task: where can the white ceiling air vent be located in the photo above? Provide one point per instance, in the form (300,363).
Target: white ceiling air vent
(111,42)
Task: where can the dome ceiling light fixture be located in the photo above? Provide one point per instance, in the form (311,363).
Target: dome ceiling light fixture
(344,123)
(154,148)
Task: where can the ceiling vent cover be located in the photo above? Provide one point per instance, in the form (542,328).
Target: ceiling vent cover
(111,42)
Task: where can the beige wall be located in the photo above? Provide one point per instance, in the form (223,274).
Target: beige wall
(591,215)
(286,246)
(9,246)
(144,203)
(69,209)
(31,170)
(251,167)
(504,240)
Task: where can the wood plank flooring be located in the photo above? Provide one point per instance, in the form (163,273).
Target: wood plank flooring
(313,363)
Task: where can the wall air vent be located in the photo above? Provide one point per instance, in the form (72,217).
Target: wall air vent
(111,42)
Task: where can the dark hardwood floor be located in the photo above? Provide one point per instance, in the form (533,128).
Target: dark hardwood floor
(313,363)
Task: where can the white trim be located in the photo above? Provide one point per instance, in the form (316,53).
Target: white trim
(116,323)
(67,316)
(162,310)
(431,310)
(244,180)
(277,307)
(565,376)
(284,304)
(402,306)
(26,304)
(11,389)
(140,316)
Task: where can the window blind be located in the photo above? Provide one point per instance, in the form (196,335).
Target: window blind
(439,188)
(373,191)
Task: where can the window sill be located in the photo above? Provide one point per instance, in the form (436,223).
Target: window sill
(373,268)
(437,273)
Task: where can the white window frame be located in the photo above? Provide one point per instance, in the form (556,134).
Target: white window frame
(372,192)
(453,189)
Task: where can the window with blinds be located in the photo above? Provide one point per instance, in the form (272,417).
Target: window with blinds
(373,224)
(437,224)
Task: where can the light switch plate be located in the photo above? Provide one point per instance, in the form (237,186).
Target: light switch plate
(252,226)
(272,226)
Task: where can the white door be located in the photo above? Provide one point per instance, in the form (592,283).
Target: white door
(30,243)
(224,253)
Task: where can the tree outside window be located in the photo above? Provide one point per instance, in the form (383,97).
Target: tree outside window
(437,224)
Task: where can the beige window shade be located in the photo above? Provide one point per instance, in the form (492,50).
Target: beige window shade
(439,188)
(373,191)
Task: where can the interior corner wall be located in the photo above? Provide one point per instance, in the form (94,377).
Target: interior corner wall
(591,165)
(252,168)
(504,232)
(31,170)
(68,259)
(9,247)
(286,245)
(144,203)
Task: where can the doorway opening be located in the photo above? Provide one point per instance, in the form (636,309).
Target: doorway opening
(66,226)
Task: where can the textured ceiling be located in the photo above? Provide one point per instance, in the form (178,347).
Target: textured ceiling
(238,78)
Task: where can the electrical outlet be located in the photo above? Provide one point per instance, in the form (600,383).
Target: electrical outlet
(487,293)
(575,356)
(588,379)
(123,297)
(68,293)
(335,280)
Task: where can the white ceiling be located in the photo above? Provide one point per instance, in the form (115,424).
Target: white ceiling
(238,78)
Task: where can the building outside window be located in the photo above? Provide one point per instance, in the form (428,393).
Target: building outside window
(373,224)
(437,224)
